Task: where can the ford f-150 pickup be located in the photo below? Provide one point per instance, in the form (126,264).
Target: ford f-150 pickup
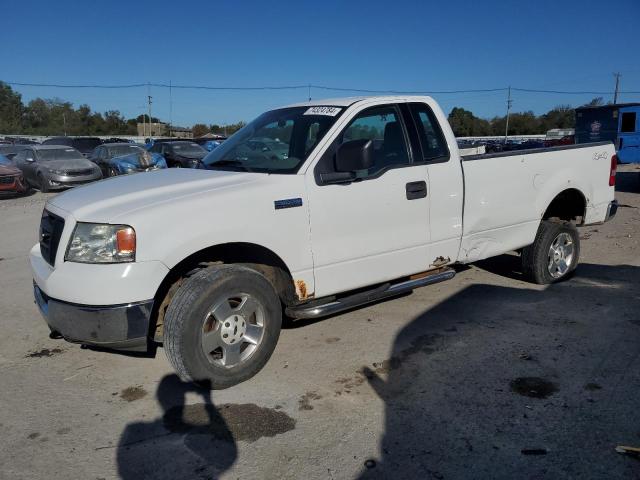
(364,199)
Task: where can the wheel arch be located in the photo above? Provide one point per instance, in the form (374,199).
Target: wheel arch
(252,255)
(568,205)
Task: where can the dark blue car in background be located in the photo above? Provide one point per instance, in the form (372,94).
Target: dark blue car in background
(124,158)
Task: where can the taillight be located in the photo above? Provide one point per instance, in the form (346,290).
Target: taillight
(612,173)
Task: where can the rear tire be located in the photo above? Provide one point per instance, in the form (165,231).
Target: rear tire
(222,325)
(554,254)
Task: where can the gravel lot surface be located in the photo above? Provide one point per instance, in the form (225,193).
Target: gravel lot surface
(484,376)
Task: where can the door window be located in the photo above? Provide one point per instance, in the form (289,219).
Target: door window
(381,125)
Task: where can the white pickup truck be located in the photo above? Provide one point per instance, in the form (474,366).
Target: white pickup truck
(309,210)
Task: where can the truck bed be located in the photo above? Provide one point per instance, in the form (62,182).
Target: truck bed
(507,193)
(519,153)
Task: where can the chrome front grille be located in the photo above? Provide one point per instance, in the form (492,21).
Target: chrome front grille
(80,173)
(7,180)
(51,227)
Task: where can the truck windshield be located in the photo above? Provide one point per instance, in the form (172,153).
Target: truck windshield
(278,141)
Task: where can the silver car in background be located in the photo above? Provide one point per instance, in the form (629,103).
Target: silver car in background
(52,167)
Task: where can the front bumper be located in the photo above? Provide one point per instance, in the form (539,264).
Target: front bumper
(120,327)
(123,171)
(63,181)
(12,184)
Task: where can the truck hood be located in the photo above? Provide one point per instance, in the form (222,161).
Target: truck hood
(104,200)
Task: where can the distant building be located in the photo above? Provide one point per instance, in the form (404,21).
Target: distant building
(152,129)
(180,132)
(162,130)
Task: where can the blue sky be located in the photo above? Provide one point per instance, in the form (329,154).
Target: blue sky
(400,45)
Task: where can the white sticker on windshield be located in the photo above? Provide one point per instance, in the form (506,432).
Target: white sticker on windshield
(328,111)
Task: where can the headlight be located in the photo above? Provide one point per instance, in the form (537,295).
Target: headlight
(194,162)
(57,172)
(98,243)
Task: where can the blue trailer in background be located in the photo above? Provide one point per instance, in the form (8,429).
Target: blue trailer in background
(628,145)
(619,124)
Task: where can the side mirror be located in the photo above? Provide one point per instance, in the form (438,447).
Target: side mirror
(354,155)
(29,159)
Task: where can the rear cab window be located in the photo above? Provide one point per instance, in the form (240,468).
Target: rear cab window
(432,142)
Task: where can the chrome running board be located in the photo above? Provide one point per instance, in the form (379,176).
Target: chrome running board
(314,309)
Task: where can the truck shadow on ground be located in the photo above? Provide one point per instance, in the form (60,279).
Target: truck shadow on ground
(189,441)
(500,382)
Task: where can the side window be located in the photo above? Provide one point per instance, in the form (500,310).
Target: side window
(381,125)
(19,156)
(432,141)
(628,122)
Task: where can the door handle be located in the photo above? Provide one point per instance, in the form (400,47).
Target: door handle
(416,190)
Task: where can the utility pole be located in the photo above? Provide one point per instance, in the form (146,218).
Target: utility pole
(615,95)
(64,122)
(170,108)
(509,102)
(149,97)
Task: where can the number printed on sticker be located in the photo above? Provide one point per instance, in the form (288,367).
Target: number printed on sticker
(329,111)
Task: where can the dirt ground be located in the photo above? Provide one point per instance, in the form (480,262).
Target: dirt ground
(484,376)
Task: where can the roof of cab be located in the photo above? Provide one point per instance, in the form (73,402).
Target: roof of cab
(348,101)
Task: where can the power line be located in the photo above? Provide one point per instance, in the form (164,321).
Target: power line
(312,86)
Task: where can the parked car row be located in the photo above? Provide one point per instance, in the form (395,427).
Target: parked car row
(63,162)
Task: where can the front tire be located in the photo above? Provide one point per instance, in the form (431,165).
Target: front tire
(222,325)
(44,183)
(554,254)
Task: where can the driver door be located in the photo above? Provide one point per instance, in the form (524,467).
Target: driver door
(375,228)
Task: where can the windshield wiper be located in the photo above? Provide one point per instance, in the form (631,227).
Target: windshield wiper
(230,163)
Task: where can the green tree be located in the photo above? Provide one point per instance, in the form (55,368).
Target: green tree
(11,110)
(562,116)
(199,129)
(595,102)
(466,124)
